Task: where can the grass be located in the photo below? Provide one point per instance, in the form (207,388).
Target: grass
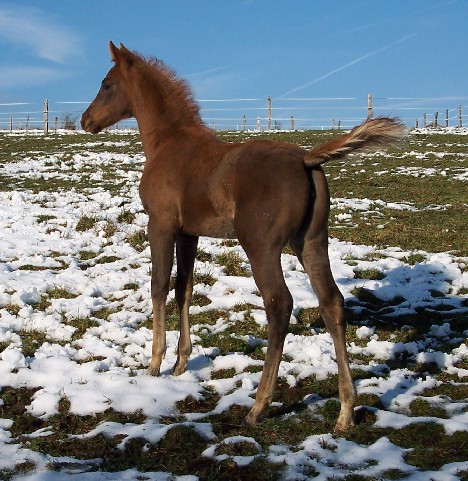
(233,264)
(437,224)
(138,240)
(85,223)
(126,217)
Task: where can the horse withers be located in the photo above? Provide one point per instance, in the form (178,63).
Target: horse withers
(267,194)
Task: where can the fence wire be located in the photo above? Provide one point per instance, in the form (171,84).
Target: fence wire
(263,114)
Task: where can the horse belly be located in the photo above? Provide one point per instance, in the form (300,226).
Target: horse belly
(210,227)
(208,220)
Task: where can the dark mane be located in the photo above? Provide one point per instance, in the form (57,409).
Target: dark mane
(177,95)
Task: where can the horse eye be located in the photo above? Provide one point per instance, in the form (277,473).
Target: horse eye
(105,87)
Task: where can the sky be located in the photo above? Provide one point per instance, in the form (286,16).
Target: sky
(317,61)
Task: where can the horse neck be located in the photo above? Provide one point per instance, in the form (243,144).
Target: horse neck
(159,116)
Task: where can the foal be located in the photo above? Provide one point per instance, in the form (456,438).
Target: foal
(265,193)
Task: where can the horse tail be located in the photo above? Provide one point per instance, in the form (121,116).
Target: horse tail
(371,134)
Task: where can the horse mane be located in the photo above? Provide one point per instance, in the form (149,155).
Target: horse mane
(174,91)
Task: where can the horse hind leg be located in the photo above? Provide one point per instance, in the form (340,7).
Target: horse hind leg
(311,247)
(268,275)
(186,249)
(316,264)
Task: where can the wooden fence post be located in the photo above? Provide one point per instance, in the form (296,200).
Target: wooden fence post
(446,118)
(46,116)
(11,124)
(258,123)
(292,123)
(460,122)
(435,119)
(425,119)
(269,113)
(370,112)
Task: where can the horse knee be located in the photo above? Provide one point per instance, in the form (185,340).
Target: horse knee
(278,307)
(183,293)
(159,292)
(333,312)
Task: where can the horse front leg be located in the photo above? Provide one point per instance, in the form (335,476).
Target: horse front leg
(162,253)
(186,250)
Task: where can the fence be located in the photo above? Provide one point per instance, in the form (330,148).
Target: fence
(260,114)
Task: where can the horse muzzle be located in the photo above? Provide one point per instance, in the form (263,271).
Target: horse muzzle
(88,124)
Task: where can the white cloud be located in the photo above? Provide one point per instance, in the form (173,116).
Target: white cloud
(25,76)
(41,33)
(219,82)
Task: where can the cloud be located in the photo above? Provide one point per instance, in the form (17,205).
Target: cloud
(349,64)
(25,76)
(212,83)
(42,34)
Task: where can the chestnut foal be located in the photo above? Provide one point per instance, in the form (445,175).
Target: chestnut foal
(264,193)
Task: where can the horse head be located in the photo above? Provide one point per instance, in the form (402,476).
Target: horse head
(112,103)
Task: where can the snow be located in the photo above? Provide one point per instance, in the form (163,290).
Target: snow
(106,366)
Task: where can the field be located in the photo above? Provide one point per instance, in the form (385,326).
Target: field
(75,326)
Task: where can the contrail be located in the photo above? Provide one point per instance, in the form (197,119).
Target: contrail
(349,64)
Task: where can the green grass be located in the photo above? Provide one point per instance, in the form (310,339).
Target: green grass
(126,217)
(290,422)
(86,222)
(233,264)
(138,240)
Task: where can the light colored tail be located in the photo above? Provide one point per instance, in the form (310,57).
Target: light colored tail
(371,134)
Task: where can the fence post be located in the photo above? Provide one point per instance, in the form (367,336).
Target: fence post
(292,123)
(446,117)
(244,122)
(11,124)
(435,119)
(46,116)
(27,124)
(460,122)
(258,124)
(269,113)
(370,112)
(55,124)
(425,120)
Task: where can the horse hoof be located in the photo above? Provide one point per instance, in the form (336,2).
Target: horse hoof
(178,370)
(250,419)
(343,427)
(153,371)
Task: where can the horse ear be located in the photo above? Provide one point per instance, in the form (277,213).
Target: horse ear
(121,56)
(114,52)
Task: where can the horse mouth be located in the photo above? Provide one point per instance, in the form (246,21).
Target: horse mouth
(89,126)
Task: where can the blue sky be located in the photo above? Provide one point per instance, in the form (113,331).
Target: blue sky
(406,53)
